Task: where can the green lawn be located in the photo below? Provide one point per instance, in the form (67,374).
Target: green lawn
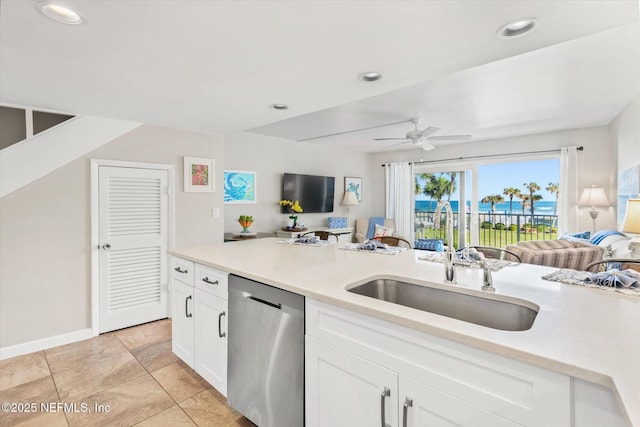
(496,238)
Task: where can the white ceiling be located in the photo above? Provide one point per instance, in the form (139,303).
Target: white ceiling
(216,66)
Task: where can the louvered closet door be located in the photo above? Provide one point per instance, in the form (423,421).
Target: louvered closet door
(133,243)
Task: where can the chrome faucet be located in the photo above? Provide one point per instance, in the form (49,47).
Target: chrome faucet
(487,278)
(449,268)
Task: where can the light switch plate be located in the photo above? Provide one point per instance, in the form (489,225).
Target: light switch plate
(215,212)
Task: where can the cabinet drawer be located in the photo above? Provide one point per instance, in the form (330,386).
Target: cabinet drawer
(212,280)
(182,270)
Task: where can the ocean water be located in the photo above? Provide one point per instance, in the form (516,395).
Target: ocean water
(542,207)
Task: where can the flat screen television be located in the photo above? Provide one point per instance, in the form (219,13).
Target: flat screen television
(315,193)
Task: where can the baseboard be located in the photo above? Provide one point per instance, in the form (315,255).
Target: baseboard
(45,343)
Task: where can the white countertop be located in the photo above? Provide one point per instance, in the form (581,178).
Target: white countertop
(587,333)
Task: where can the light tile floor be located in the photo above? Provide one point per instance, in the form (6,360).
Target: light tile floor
(132,372)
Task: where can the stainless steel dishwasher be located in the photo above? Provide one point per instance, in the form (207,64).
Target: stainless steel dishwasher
(265,379)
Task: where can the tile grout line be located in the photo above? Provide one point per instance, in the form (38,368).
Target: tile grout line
(46,359)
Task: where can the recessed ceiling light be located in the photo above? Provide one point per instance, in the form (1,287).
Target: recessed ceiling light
(60,13)
(517,28)
(370,76)
(279,107)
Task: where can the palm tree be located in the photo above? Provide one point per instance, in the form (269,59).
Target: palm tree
(554,188)
(451,187)
(493,199)
(511,192)
(532,187)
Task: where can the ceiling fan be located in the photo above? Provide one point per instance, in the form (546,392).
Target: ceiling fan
(422,138)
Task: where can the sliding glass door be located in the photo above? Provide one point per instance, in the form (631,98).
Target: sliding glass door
(453,185)
(494,204)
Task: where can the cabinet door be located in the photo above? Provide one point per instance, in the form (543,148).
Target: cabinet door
(211,339)
(182,322)
(344,390)
(424,406)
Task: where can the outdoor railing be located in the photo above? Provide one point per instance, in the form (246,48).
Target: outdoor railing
(498,230)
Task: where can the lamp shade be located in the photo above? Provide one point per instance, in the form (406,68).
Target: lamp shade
(632,217)
(349,198)
(593,196)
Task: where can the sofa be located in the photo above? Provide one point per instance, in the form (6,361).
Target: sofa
(573,252)
(362,228)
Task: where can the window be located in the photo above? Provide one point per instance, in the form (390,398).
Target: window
(497,204)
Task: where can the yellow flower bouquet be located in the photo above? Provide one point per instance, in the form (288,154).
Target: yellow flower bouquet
(294,208)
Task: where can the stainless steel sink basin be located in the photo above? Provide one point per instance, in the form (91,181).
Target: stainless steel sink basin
(487,312)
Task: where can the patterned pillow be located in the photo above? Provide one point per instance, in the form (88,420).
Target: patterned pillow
(436,245)
(382,231)
(576,237)
(337,222)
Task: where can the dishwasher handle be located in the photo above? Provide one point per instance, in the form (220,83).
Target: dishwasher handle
(272,304)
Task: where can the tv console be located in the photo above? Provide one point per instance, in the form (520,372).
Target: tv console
(345,235)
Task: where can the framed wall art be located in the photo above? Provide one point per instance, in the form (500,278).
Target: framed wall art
(240,187)
(355,185)
(199,175)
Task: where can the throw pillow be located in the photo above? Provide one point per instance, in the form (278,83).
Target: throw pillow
(382,231)
(436,245)
(576,237)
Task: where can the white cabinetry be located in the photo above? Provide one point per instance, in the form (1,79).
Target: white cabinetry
(352,358)
(199,322)
(182,310)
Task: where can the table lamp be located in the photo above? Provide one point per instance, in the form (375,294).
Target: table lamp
(349,200)
(593,197)
(632,225)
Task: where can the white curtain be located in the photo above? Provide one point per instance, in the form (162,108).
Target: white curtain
(568,191)
(399,197)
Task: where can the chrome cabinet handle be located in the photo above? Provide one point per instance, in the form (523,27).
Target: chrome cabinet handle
(206,280)
(179,270)
(106,246)
(386,392)
(220,333)
(408,402)
(186,306)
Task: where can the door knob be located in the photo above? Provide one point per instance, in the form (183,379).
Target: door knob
(106,246)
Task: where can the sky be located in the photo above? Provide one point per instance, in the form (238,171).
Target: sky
(496,177)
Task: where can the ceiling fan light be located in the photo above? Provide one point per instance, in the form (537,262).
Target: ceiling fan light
(517,28)
(60,13)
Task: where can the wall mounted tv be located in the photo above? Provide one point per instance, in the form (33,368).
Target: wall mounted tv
(315,193)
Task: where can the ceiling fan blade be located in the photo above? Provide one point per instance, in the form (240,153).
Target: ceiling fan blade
(387,139)
(450,138)
(426,132)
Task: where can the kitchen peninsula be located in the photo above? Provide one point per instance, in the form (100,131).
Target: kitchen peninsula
(585,339)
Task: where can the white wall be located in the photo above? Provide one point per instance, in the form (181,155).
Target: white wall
(625,131)
(596,164)
(45,228)
(270,157)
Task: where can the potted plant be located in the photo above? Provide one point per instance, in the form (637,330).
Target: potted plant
(245,221)
(294,208)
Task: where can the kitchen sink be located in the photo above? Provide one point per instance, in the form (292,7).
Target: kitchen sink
(492,313)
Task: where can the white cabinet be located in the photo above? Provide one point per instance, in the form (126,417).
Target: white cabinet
(182,322)
(343,389)
(211,339)
(199,324)
(351,358)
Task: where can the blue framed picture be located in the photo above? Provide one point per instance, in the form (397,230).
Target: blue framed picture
(240,187)
(354,184)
